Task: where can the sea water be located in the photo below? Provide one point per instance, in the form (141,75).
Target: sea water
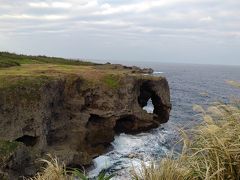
(189,85)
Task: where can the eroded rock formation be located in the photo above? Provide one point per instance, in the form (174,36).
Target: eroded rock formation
(76,120)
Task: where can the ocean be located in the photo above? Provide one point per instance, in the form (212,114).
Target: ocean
(189,85)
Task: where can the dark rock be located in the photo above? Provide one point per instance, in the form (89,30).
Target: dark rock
(133,69)
(76,121)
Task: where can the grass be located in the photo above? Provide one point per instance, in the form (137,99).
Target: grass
(10,59)
(7,148)
(56,170)
(213,152)
(30,71)
(13,76)
(8,63)
(14,69)
(25,88)
(21,72)
(112,81)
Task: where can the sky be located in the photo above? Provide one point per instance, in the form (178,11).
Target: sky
(180,31)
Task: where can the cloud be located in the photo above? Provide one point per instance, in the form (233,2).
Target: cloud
(130,8)
(147,16)
(206,19)
(148,20)
(33,17)
(56,4)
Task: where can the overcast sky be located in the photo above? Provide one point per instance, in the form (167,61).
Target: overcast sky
(189,31)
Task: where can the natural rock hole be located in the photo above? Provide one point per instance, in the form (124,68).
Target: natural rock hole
(94,119)
(27,140)
(148,95)
(125,124)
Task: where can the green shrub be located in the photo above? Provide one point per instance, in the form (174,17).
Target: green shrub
(8,63)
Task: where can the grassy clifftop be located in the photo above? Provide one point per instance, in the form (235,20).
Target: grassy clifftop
(15,67)
(11,59)
(21,70)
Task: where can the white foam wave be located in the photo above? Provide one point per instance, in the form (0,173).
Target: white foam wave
(149,107)
(131,150)
(158,72)
(100,163)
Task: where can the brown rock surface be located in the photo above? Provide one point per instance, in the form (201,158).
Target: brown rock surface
(76,120)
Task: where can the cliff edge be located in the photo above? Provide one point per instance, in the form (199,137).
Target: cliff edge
(71,109)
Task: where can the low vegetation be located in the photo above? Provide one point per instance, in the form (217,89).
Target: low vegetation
(7,148)
(55,170)
(212,152)
(11,59)
(111,81)
(15,69)
(8,63)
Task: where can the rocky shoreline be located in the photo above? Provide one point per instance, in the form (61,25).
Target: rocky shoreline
(76,120)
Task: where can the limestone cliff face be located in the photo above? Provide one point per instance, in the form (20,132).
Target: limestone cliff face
(76,120)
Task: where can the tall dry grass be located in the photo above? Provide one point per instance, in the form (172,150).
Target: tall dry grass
(56,170)
(53,170)
(212,152)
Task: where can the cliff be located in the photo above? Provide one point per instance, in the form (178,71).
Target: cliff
(71,110)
